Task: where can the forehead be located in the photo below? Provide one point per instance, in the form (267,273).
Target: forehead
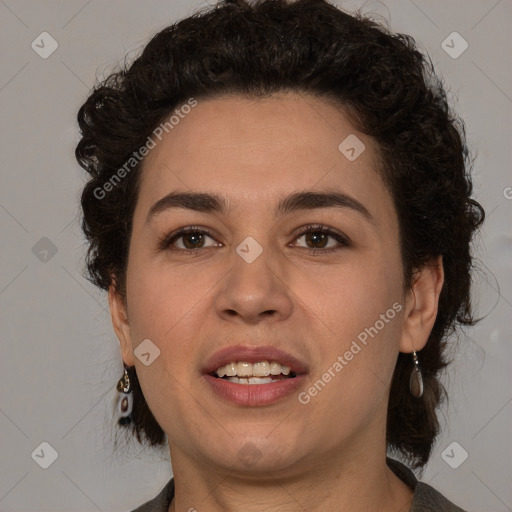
(253,149)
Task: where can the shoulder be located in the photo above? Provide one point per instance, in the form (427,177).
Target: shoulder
(161,502)
(425,498)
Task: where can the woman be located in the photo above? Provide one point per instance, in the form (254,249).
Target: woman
(280,208)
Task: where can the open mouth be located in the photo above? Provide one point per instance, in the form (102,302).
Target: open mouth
(254,377)
(262,372)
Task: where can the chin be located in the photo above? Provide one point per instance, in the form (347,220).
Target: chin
(253,455)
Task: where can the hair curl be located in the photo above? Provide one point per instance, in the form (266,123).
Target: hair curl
(391,92)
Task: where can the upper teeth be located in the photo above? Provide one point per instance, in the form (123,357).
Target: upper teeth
(259,369)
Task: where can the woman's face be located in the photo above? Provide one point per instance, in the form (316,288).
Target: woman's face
(252,280)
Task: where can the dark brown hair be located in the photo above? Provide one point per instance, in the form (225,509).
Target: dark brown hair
(390,90)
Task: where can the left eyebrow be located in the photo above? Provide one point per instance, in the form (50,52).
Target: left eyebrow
(206,202)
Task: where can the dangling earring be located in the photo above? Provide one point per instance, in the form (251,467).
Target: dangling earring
(125,399)
(416,379)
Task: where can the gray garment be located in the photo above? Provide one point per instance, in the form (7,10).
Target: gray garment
(425,498)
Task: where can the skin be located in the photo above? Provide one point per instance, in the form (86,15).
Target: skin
(324,455)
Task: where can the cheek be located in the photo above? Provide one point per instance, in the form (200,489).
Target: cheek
(160,298)
(351,382)
(168,305)
(351,297)
(159,306)
(360,314)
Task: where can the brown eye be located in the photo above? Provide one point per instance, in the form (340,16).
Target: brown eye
(317,239)
(191,239)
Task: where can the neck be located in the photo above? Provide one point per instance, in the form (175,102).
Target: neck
(353,482)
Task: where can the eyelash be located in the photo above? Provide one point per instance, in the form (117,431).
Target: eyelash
(168,240)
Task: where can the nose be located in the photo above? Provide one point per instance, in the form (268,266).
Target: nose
(255,291)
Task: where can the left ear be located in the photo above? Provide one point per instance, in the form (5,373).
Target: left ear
(421,305)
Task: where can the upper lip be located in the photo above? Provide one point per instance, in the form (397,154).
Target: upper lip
(253,354)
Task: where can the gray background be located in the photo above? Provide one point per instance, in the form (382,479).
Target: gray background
(60,358)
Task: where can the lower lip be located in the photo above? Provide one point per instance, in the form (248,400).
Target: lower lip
(253,395)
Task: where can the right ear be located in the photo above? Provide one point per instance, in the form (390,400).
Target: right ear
(118,313)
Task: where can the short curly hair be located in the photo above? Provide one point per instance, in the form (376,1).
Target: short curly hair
(390,91)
